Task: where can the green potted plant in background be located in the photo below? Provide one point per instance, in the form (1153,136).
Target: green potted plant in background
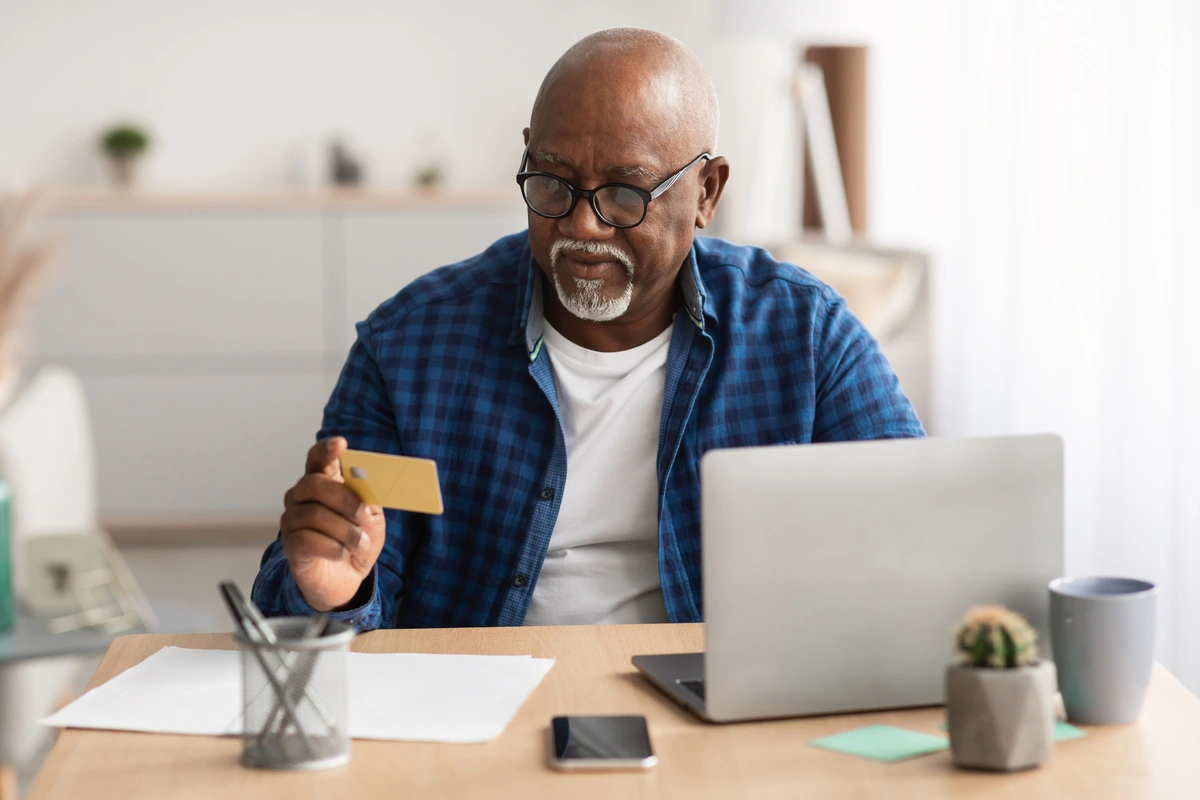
(1000,699)
(124,145)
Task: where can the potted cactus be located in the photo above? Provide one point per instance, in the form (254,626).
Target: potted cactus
(1000,698)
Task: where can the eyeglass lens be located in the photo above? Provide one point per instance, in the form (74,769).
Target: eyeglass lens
(552,197)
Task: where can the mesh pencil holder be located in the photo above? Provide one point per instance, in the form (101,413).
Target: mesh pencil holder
(294,697)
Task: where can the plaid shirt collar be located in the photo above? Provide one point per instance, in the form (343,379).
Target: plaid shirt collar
(527,315)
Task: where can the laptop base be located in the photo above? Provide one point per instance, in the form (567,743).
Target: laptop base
(672,673)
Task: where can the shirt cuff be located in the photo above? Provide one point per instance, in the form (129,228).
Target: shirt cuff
(364,618)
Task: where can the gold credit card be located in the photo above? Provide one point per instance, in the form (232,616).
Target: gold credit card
(402,482)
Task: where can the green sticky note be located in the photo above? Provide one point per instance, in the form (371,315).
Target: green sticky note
(1064,731)
(882,743)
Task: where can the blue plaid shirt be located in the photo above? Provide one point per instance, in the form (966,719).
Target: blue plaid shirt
(453,369)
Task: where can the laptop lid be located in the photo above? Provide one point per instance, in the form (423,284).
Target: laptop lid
(834,574)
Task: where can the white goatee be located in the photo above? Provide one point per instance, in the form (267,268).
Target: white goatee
(588,301)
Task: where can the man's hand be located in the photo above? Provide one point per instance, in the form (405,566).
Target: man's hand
(330,537)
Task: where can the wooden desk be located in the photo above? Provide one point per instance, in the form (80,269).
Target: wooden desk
(1153,759)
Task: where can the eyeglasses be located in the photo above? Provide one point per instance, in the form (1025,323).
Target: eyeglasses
(617,204)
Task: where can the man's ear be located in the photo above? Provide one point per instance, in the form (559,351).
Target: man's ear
(712,183)
(526,134)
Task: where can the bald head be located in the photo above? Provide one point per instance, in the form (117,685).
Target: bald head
(654,81)
(634,112)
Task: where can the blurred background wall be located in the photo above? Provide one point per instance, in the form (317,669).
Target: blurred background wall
(248,94)
(236,90)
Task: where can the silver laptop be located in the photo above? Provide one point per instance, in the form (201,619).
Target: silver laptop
(834,574)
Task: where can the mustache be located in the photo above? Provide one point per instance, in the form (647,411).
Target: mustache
(592,249)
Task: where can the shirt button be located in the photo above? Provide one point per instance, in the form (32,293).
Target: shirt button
(546,494)
(520,581)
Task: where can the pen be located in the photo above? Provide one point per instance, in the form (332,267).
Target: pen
(258,632)
(298,680)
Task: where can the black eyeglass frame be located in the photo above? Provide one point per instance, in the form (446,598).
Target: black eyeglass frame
(590,194)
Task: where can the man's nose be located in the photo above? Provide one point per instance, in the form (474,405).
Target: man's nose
(584,224)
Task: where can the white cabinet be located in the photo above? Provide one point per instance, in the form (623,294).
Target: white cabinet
(185,448)
(210,334)
(181,284)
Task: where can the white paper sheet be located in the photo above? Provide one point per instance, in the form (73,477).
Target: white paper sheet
(400,696)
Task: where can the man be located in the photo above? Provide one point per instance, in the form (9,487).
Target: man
(568,380)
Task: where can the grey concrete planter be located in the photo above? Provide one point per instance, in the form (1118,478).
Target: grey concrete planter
(1001,719)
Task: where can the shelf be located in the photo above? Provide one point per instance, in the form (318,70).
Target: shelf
(366,199)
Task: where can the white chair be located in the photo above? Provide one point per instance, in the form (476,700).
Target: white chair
(48,461)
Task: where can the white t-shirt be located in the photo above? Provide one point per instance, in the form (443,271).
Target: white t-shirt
(602,562)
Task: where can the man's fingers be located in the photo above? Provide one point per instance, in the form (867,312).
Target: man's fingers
(323,456)
(304,544)
(326,491)
(317,517)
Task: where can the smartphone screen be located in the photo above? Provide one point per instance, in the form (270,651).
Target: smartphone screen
(618,742)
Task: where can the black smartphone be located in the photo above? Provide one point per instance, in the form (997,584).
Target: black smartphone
(600,743)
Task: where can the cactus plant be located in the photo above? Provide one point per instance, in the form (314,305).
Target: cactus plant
(1000,699)
(993,636)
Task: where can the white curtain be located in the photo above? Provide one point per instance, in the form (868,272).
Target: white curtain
(1068,293)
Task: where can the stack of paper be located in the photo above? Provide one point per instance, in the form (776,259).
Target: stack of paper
(402,696)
